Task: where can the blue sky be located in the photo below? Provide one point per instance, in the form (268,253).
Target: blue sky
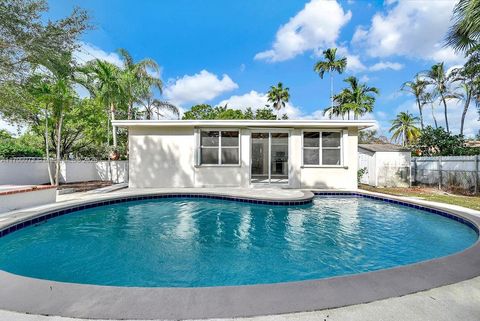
(232,51)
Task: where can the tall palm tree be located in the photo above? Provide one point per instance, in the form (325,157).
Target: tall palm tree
(469,78)
(358,99)
(330,64)
(465,31)
(153,106)
(278,96)
(416,87)
(429,98)
(404,128)
(103,80)
(138,79)
(437,77)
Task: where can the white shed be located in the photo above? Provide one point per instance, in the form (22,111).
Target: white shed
(385,165)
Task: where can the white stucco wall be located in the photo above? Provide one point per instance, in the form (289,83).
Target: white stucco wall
(17,201)
(393,169)
(164,157)
(35,172)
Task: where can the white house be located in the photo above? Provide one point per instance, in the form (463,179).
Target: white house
(243,153)
(385,165)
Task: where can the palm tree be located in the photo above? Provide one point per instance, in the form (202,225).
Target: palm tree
(429,98)
(416,87)
(358,99)
(103,80)
(438,78)
(465,31)
(136,79)
(404,128)
(469,78)
(156,107)
(330,65)
(278,96)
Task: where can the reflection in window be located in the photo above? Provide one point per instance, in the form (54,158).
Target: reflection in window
(322,148)
(219,147)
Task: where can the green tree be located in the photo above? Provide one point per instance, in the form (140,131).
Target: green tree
(404,129)
(154,107)
(437,77)
(137,80)
(371,137)
(465,30)
(104,82)
(278,96)
(331,64)
(207,112)
(27,38)
(417,88)
(429,98)
(439,142)
(358,99)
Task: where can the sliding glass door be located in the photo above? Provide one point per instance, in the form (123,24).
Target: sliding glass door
(269,162)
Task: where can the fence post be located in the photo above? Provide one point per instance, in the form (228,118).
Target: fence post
(476,174)
(439,172)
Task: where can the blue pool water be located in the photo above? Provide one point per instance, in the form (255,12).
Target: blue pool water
(181,242)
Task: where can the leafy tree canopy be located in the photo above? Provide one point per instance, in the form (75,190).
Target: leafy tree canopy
(26,41)
(206,112)
(371,137)
(439,142)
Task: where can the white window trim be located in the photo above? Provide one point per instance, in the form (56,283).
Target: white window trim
(198,147)
(320,148)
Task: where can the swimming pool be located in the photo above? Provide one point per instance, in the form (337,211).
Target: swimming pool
(185,242)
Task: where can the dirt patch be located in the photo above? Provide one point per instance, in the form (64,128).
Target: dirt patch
(84,186)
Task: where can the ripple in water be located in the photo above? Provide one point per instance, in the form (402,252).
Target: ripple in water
(183,242)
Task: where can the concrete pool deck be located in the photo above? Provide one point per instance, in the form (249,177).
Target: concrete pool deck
(77,300)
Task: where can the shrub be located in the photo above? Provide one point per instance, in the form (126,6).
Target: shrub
(9,149)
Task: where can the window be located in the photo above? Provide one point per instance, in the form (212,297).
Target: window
(219,147)
(322,148)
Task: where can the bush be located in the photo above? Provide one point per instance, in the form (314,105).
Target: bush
(439,142)
(10,148)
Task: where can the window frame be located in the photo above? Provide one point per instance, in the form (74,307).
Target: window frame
(320,148)
(198,160)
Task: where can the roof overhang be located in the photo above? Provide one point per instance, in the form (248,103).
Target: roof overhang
(360,124)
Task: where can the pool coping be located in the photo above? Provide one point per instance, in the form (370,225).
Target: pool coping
(36,296)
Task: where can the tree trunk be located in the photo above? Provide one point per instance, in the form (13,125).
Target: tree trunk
(114,131)
(331,89)
(465,109)
(47,152)
(445,111)
(59,144)
(420,111)
(433,116)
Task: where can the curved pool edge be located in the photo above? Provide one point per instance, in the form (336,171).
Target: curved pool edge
(35,296)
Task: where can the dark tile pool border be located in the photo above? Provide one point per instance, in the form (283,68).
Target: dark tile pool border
(45,297)
(52,214)
(443,213)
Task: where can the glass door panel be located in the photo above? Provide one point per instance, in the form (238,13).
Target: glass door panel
(269,163)
(260,170)
(279,158)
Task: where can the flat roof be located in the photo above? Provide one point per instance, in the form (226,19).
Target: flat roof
(361,124)
(383,148)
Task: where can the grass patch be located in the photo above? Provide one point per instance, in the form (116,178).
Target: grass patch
(429,194)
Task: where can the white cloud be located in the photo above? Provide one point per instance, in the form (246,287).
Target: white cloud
(88,52)
(198,88)
(382,65)
(415,29)
(354,64)
(315,27)
(257,100)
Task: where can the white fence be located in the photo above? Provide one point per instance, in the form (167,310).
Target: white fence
(34,172)
(447,172)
